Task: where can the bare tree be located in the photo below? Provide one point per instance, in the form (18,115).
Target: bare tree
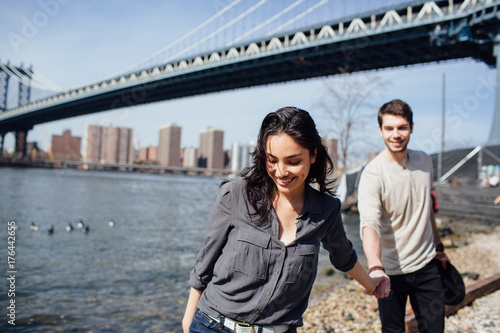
(348,108)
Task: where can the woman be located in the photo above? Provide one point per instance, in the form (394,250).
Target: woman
(260,257)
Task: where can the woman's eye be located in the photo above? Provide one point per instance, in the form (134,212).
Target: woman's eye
(294,162)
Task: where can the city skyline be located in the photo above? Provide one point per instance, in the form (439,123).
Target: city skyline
(102,144)
(118,37)
(134,141)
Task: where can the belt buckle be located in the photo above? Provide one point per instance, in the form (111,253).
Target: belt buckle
(244,327)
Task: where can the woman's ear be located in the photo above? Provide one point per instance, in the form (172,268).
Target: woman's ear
(313,156)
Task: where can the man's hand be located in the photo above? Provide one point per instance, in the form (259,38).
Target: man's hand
(441,256)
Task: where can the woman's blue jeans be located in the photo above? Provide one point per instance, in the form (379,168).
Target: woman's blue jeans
(204,324)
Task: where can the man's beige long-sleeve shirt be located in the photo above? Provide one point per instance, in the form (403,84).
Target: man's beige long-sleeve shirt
(395,202)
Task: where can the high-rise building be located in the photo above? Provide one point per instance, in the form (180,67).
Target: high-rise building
(189,157)
(241,156)
(119,145)
(66,147)
(169,147)
(148,154)
(211,152)
(153,153)
(143,154)
(331,145)
(109,144)
(93,134)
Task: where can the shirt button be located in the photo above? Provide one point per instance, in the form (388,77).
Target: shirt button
(257,311)
(282,249)
(267,293)
(277,271)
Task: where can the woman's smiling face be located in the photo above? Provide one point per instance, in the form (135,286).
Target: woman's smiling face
(288,163)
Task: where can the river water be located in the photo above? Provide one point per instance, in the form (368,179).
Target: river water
(131,277)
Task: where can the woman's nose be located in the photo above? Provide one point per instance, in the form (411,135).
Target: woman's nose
(281,170)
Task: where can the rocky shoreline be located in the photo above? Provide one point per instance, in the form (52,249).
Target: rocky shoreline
(473,247)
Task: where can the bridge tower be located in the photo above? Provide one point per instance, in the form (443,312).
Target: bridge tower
(21,134)
(24,95)
(494,138)
(24,89)
(4,85)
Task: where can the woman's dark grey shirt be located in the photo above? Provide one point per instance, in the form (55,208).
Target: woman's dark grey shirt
(246,273)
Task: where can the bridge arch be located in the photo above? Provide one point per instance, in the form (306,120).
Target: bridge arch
(7,142)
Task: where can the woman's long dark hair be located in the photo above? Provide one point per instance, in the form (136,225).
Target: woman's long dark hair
(299,125)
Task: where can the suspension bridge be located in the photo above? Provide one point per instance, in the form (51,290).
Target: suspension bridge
(412,33)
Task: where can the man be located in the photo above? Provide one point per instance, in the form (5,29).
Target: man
(400,237)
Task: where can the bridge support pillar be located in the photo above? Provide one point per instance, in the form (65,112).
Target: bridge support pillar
(21,143)
(4,85)
(494,138)
(24,91)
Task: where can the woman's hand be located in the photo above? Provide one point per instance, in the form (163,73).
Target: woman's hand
(382,284)
(376,283)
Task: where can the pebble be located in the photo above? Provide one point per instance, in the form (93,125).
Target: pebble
(344,307)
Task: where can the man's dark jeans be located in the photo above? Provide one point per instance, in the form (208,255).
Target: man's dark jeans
(424,288)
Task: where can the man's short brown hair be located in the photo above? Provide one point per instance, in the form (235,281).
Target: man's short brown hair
(395,107)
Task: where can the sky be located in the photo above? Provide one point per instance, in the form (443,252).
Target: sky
(74,42)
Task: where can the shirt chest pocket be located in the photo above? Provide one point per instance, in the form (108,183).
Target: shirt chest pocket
(253,253)
(303,263)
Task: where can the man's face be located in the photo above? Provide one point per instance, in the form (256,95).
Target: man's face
(395,131)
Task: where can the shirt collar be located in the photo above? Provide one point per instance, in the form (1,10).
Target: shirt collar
(396,165)
(312,201)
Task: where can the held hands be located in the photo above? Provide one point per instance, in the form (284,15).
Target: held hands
(382,283)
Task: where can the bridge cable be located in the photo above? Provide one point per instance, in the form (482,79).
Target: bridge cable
(270,20)
(27,79)
(47,84)
(169,46)
(216,32)
(298,17)
(47,80)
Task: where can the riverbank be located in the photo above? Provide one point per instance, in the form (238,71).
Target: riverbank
(155,169)
(472,246)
